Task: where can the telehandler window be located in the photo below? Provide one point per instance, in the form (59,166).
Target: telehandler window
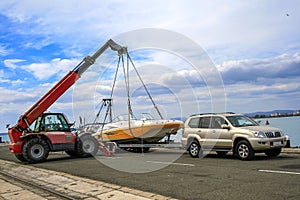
(52,122)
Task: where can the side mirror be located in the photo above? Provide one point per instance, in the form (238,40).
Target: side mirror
(225,126)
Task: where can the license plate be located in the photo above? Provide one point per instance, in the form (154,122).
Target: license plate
(276,143)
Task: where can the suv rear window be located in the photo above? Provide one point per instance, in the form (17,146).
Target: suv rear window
(194,122)
(207,122)
(200,122)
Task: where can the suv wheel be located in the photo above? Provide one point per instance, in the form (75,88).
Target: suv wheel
(194,149)
(243,150)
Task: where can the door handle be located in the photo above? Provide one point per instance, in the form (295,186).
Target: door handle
(199,131)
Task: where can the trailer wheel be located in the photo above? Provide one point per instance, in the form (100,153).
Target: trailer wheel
(36,150)
(86,146)
(20,157)
(111,146)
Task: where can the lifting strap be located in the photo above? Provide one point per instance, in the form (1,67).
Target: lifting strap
(108,102)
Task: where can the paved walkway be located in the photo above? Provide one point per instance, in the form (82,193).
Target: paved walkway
(74,186)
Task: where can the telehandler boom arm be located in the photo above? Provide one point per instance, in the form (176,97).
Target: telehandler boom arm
(58,90)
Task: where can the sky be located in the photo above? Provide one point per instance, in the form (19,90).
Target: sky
(250,55)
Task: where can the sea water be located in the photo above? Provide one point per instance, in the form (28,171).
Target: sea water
(289,125)
(4,137)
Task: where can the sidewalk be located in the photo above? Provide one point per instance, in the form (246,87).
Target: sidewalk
(13,191)
(77,187)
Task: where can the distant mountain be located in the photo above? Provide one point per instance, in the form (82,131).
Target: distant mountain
(179,118)
(268,113)
(260,114)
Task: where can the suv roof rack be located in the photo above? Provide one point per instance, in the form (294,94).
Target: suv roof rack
(221,113)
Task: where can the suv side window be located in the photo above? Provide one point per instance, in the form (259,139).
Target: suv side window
(194,122)
(205,122)
(217,122)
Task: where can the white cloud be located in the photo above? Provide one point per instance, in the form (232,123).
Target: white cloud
(12,63)
(3,50)
(14,96)
(242,36)
(38,44)
(282,66)
(16,102)
(4,79)
(250,97)
(236,25)
(2,76)
(43,71)
(18,82)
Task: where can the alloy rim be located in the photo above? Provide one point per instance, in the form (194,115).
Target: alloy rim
(194,149)
(243,150)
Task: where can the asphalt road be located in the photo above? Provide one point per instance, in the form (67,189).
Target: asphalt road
(211,177)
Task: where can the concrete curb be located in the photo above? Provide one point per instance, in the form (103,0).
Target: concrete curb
(291,150)
(78,187)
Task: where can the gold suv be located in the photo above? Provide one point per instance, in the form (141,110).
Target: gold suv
(225,132)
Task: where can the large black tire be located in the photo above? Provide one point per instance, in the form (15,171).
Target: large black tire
(243,150)
(20,157)
(273,152)
(194,149)
(36,150)
(86,145)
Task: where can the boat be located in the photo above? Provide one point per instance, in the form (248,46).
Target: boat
(125,129)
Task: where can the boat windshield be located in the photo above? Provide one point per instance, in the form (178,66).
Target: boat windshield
(240,121)
(147,116)
(123,117)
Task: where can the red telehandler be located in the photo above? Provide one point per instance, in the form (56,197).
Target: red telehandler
(52,130)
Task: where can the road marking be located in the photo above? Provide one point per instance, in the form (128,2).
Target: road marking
(279,172)
(117,157)
(171,163)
